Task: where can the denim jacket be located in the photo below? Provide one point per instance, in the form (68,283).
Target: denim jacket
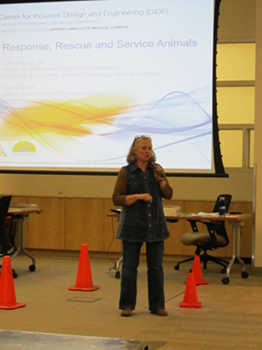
(141,221)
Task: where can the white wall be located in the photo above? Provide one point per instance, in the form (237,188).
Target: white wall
(239,184)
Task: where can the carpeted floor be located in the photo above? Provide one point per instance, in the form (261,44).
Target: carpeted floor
(230,316)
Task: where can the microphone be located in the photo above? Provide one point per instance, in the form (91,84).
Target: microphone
(154,166)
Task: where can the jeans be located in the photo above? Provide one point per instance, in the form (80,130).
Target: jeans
(155,275)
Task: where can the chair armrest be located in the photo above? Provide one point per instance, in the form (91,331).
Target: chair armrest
(213,229)
(193,224)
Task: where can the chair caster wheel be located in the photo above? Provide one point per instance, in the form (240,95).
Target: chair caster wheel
(244,274)
(117,275)
(15,275)
(176,267)
(224,270)
(32,268)
(225,280)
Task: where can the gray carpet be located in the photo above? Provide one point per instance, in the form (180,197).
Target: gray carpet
(230,316)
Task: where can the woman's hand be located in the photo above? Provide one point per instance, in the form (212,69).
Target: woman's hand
(146,197)
(132,198)
(158,172)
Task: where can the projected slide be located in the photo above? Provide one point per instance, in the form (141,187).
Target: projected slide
(79,80)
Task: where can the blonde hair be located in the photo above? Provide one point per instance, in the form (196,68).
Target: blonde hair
(131,157)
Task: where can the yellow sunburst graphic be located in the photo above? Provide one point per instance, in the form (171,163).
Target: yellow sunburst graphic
(59,125)
(24,147)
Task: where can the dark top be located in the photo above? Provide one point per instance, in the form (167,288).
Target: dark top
(141,221)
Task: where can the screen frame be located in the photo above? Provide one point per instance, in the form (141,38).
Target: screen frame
(219,170)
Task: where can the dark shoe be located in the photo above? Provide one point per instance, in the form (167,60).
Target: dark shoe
(160,312)
(126,312)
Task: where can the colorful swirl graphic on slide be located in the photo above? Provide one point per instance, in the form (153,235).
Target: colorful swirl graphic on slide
(67,127)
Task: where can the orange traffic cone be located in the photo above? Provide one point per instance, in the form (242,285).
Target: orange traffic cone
(196,269)
(190,296)
(7,288)
(84,278)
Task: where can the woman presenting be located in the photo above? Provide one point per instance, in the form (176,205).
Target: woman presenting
(139,189)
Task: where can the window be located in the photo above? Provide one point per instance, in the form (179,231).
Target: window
(236,101)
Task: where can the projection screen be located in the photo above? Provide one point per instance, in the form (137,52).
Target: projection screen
(80,79)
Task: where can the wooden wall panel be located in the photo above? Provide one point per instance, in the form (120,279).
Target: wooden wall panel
(246,234)
(84,223)
(47,230)
(65,224)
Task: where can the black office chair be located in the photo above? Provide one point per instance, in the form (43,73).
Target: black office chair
(6,244)
(215,238)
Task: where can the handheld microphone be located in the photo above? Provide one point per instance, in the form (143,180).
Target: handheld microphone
(154,166)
